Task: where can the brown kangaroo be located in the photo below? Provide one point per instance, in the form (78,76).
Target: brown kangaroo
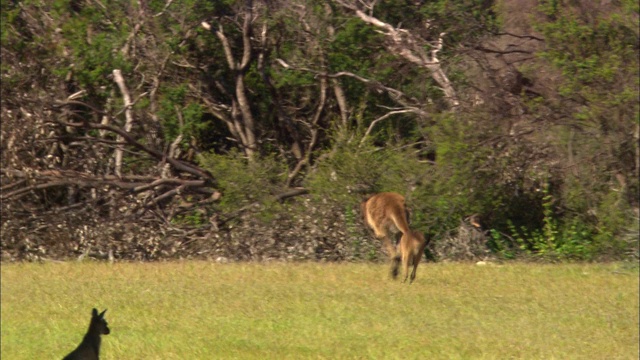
(89,348)
(386,212)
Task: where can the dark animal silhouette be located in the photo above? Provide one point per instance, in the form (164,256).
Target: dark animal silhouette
(89,348)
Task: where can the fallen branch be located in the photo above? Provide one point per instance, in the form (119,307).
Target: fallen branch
(178,164)
(58,178)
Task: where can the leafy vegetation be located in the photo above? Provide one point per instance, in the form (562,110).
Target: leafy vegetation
(526,120)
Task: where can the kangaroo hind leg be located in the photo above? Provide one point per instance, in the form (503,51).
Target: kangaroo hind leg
(395,266)
(413,272)
(405,264)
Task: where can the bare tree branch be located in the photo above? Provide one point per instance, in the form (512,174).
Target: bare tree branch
(383,117)
(166,6)
(242,117)
(117,77)
(411,47)
(314,132)
(378,86)
(530,37)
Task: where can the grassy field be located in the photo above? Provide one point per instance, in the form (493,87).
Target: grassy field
(200,310)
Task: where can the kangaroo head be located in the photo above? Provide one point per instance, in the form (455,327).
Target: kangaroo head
(98,323)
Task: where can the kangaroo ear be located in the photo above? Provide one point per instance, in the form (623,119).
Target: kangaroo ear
(102,313)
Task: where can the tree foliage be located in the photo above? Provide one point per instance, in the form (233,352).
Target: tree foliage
(185,115)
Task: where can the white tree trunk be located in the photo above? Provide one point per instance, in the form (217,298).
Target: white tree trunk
(117,77)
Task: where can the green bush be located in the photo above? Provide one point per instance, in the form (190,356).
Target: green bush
(614,220)
(348,172)
(246,183)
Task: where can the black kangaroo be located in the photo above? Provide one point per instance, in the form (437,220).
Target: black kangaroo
(89,348)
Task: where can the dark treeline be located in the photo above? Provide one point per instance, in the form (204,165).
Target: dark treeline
(251,130)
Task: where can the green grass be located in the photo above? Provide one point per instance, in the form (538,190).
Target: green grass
(199,310)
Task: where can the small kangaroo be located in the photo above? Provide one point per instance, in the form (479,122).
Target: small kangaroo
(386,212)
(89,348)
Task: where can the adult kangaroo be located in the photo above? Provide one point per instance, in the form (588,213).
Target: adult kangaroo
(89,348)
(386,213)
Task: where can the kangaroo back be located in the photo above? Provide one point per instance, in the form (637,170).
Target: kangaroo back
(386,212)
